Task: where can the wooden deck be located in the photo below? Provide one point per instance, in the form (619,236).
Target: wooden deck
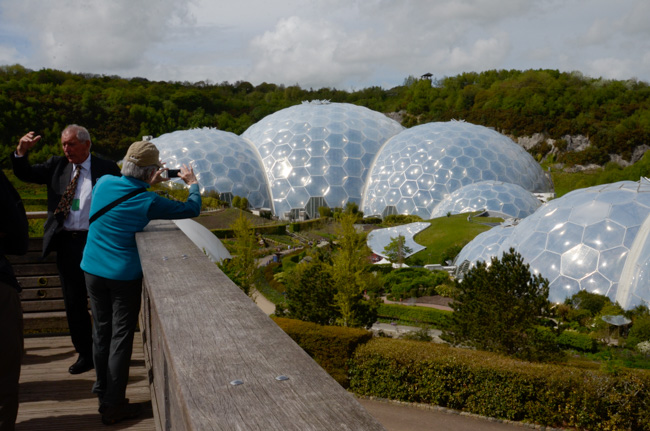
(53,399)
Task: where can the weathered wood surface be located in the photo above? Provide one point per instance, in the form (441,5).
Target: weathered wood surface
(53,399)
(202,332)
(41,298)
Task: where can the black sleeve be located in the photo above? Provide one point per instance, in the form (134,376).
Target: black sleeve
(14,229)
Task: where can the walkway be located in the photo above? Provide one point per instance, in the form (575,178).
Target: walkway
(53,399)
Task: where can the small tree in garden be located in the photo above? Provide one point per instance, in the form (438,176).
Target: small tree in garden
(397,250)
(241,268)
(496,308)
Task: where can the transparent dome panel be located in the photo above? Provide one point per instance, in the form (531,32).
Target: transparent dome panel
(220,159)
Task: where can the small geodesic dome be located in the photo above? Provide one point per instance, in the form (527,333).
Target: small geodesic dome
(509,200)
(319,153)
(223,162)
(582,240)
(419,167)
(483,247)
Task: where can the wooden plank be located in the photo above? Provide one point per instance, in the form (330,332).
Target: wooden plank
(31,257)
(53,399)
(206,333)
(49,321)
(43,305)
(35,270)
(41,293)
(40,281)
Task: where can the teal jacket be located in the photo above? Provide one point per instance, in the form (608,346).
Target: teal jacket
(111,251)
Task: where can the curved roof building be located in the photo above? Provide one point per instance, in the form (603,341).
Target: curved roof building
(510,200)
(319,153)
(421,166)
(582,241)
(223,162)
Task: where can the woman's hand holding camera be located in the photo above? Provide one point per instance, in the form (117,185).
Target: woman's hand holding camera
(187,175)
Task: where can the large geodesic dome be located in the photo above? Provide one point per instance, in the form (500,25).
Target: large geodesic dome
(483,247)
(419,167)
(505,199)
(223,162)
(582,241)
(319,153)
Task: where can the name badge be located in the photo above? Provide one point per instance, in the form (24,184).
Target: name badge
(75,205)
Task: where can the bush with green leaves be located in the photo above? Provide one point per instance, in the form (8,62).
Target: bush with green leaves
(496,308)
(577,341)
(404,283)
(497,386)
(639,332)
(414,316)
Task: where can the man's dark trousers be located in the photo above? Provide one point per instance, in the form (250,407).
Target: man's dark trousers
(69,251)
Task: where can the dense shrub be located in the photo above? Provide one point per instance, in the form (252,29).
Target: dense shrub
(432,317)
(577,341)
(639,332)
(497,386)
(407,283)
(330,346)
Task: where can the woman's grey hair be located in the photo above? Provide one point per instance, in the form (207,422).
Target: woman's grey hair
(143,173)
(80,132)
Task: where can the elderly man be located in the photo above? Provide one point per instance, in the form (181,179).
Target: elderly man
(69,181)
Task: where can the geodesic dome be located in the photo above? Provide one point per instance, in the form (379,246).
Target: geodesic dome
(419,167)
(582,240)
(483,247)
(508,199)
(222,161)
(319,153)
(634,284)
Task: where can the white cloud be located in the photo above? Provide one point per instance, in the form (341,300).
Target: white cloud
(336,43)
(10,55)
(85,35)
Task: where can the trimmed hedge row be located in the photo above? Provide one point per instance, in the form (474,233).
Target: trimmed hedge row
(496,386)
(331,346)
(577,341)
(429,316)
(306,225)
(277,229)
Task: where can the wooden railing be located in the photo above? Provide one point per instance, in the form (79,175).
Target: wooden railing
(216,361)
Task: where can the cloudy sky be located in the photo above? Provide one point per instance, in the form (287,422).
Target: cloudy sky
(346,44)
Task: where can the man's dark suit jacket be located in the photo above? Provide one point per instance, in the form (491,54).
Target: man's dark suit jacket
(56,173)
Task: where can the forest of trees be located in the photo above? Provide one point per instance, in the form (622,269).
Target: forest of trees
(615,115)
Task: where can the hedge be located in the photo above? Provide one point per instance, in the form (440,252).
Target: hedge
(306,225)
(492,385)
(331,346)
(277,229)
(577,341)
(421,315)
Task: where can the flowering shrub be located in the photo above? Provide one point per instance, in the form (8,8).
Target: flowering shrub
(644,347)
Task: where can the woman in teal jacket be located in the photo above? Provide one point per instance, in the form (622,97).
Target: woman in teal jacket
(112,266)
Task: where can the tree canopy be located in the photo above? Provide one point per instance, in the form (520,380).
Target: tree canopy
(615,115)
(497,307)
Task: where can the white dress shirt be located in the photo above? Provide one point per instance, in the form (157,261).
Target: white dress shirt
(80,209)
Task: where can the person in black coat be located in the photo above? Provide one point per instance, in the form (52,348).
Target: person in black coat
(14,239)
(66,226)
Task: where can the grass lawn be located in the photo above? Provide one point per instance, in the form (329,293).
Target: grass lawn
(26,190)
(446,232)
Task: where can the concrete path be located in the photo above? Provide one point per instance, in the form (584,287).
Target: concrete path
(405,417)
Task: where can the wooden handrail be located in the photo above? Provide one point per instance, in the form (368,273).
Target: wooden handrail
(216,361)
